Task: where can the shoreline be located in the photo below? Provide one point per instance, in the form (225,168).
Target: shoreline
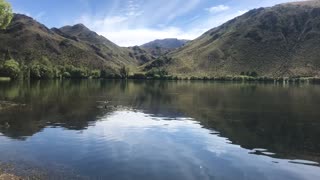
(285,80)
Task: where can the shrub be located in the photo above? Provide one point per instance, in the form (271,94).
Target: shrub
(40,71)
(66,75)
(46,72)
(139,76)
(95,74)
(156,76)
(162,73)
(253,74)
(124,72)
(35,72)
(11,69)
(77,73)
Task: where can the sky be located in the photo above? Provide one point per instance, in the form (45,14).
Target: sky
(135,22)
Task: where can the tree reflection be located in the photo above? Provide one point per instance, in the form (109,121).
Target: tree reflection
(284,120)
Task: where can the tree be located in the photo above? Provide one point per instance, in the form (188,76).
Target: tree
(7,55)
(40,71)
(6,14)
(124,72)
(95,74)
(11,69)
(35,71)
(254,74)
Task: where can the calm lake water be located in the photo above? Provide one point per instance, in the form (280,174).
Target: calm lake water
(144,130)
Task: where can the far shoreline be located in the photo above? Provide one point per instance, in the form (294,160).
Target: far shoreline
(236,79)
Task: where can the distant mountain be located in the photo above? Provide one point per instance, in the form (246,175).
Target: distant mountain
(165,43)
(280,41)
(160,47)
(28,41)
(283,40)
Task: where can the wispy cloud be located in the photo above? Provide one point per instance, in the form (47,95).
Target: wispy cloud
(137,22)
(219,8)
(133,9)
(40,15)
(134,22)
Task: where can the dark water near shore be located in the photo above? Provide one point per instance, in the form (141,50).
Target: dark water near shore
(95,129)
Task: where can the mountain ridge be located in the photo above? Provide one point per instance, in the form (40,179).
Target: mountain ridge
(277,41)
(28,40)
(160,47)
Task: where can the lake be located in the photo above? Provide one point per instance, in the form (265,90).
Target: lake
(173,130)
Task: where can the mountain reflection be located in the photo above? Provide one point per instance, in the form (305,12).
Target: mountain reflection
(283,120)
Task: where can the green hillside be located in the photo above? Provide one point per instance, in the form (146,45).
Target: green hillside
(29,43)
(281,41)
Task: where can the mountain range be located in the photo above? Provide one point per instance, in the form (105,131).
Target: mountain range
(279,41)
(163,46)
(28,41)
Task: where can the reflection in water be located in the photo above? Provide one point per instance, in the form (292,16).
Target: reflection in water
(161,130)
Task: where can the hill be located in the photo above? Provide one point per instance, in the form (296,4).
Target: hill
(29,41)
(163,46)
(278,41)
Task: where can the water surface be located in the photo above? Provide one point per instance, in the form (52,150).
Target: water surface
(95,129)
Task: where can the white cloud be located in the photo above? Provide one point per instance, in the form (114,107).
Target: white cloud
(138,36)
(119,30)
(136,23)
(218,20)
(22,12)
(40,15)
(219,8)
(188,6)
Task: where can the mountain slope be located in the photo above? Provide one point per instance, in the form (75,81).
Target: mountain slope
(169,43)
(29,41)
(279,41)
(163,46)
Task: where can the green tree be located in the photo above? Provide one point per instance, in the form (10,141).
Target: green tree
(95,74)
(66,75)
(46,72)
(108,73)
(6,14)
(40,71)
(124,72)
(35,71)
(254,74)
(10,69)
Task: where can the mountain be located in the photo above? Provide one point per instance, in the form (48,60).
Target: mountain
(169,43)
(277,41)
(163,46)
(29,41)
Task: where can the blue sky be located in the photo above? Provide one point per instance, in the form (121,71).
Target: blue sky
(134,22)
